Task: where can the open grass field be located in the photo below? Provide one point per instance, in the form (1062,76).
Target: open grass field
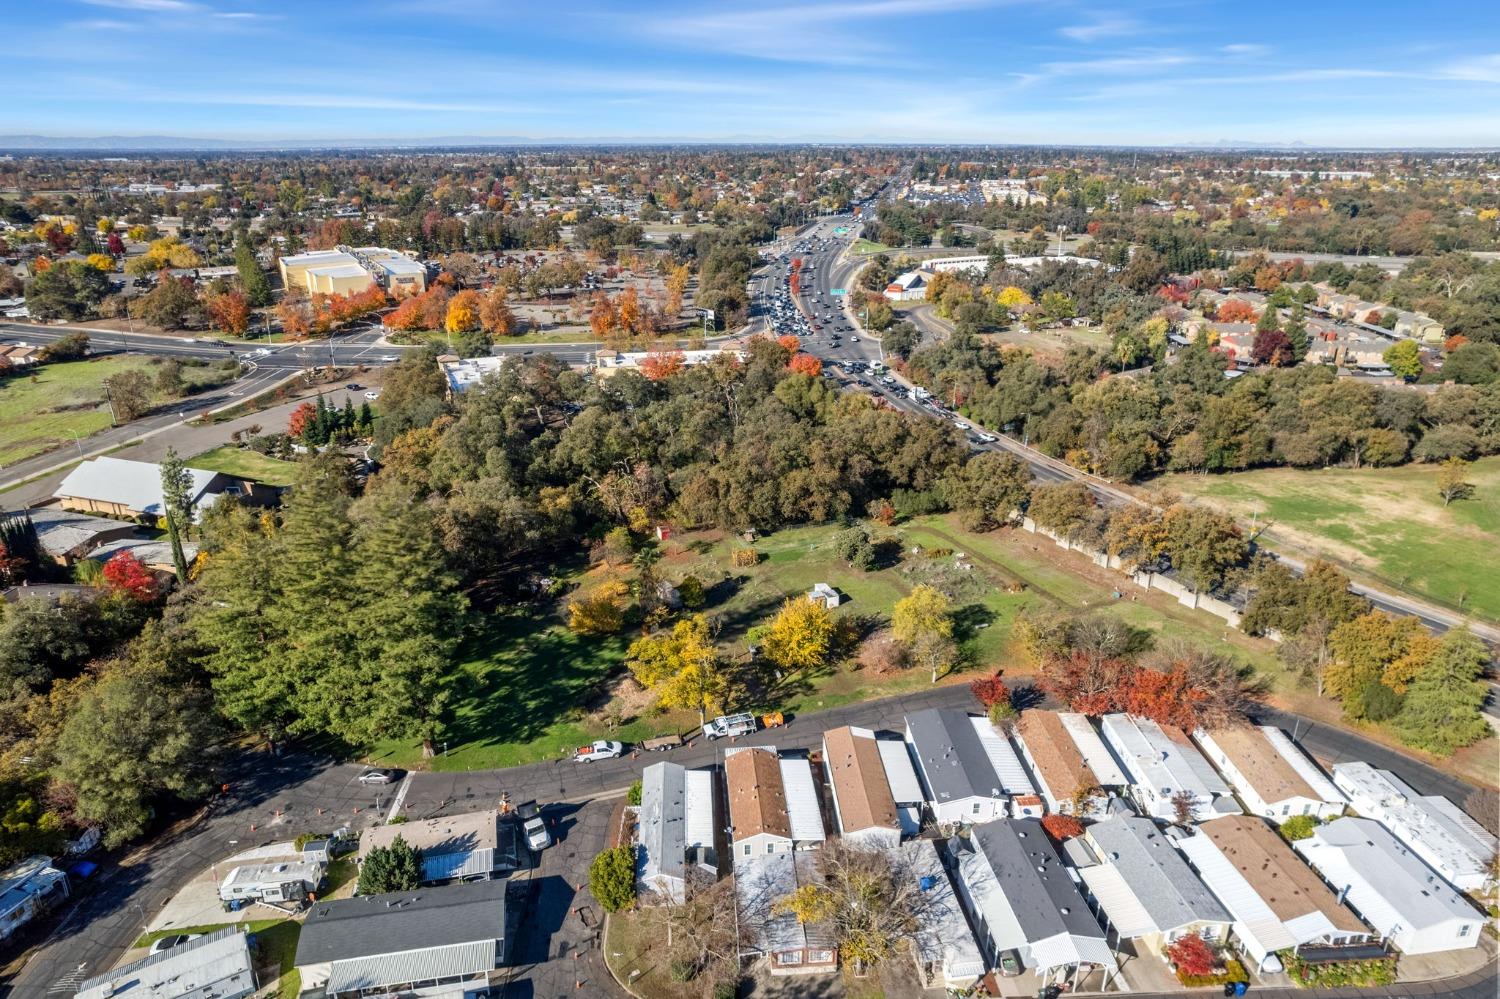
(1388,524)
(44,409)
(47,407)
(868,247)
(532,690)
(232,460)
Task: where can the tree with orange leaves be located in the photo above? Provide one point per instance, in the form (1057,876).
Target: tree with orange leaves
(661,364)
(463,312)
(805,364)
(296,316)
(604,319)
(677,283)
(628,311)
(790,342)
(1086,683)
(1235,310)
(495,315)
(302,417)
(1061,827)
(228,312)
(1168,698)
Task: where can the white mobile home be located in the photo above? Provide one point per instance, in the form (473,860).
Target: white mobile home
(1164,768)
(958,767)
(676,829)
(1435,829)
(1391,888)
(946,954)
(1272,776)
(281,882)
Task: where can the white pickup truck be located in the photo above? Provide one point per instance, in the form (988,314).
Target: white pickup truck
(601,749)
(725,725)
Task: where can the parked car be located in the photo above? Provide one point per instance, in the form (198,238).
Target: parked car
(537,836)
(724,725)
(377,777)
(600,749)
(175,940)
(388,358)
(372,395)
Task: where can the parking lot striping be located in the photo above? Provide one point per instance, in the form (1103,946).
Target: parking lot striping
(400,798)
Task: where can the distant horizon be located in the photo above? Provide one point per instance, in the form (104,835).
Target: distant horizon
(1376,74)
(104,143)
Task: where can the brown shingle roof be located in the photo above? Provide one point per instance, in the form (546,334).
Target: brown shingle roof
(1058,761)
(757,800)
(1289,887)
(859,783)
(1266,770)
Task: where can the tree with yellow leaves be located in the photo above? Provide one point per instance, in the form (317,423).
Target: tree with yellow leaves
(103,261)
(601,610)
(923,622)
(800,636)
(677,283)
(463,312)
(628,307)
(681,666)
(168,251)
(1012,298)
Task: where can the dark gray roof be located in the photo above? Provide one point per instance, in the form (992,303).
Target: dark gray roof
(61,532)
(950,756)
(1162,880)
(1038,887)
(385,924)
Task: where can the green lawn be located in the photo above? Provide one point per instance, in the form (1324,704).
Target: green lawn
(253,926)
(531,690)
(46,408)
(869,246)
(1388,524)
(246,464)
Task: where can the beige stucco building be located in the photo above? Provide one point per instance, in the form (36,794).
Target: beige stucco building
(349,270)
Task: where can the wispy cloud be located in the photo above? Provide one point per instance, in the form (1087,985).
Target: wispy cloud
(1483,69)
(1104,27)
(154,6)
(1245,49)
(101,24)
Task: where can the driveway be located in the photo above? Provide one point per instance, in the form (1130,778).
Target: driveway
(272,799)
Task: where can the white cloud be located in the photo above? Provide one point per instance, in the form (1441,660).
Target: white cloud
(1481,69)
(101,24)
(1104,27)
(1245,49)
(154,6)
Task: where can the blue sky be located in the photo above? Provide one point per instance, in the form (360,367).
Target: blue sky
(1378,72)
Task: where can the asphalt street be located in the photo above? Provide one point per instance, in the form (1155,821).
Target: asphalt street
(271,798)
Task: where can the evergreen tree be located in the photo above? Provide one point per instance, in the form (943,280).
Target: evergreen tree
(177,507)
(232,624)
(257,287)
(412,618)
(347,419)
(316,610)
(1442,710)
(1296,333)
(366,418)
(397,867)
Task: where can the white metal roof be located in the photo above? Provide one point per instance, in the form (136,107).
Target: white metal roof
(899,772)
(801,801)
(1155,760)
(699,805)
(1067,949)
(216,965)
(1003,757)
(1095,753)
(1253,917)
(1432,826)
(1383,880)
(256,874)
(411,966)
(1118,900)
(133,484)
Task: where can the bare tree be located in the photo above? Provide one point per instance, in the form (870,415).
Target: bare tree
(699,931)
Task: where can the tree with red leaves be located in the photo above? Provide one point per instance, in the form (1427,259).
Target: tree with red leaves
(1086,683)
(661,364)
(1192,955)
(127,573)
(302,418)
(805,364)
(1272,347)
(10,565)
(1061,827)
(1166,698)
(990,690)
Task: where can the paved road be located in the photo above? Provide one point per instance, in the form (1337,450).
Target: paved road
(106,918)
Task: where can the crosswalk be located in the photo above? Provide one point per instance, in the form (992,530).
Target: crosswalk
(68,984)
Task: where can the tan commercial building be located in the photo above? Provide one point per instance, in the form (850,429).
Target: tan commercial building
(350,270)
